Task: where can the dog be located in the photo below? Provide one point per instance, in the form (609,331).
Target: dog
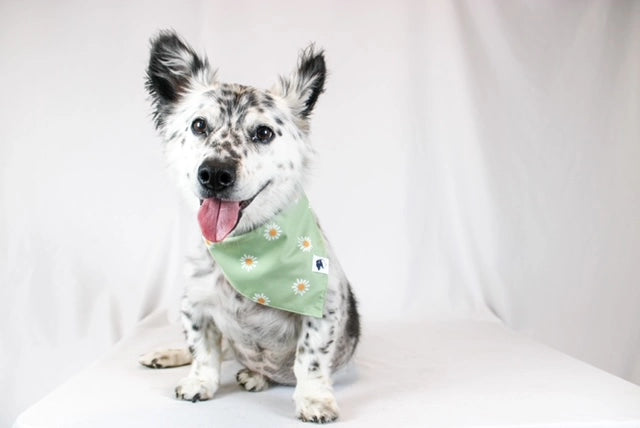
(241,155)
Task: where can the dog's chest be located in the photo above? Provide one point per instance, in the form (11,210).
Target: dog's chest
(263,339)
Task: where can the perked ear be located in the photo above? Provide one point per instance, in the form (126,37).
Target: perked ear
(305,85)
(174,68)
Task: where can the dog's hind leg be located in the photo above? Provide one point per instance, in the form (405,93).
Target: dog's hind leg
(252,381)
(166,358)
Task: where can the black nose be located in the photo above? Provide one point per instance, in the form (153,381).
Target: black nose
(216,176)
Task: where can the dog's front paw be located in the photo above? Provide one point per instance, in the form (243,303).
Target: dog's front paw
(320,407)
(194,389)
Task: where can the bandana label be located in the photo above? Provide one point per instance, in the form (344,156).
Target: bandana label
(282,264)
(320,265)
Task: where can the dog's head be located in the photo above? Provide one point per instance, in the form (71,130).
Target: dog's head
(240,152)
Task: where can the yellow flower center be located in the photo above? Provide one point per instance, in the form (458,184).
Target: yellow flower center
(306,244)
(249,262)
(262,301)
(273,233)
(302,286)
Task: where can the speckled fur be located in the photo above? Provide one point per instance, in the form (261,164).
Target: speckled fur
(273,345)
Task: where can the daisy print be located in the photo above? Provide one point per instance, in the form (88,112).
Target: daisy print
(300,286)
(304,243)
(261,298)
(248,262)
(272,232)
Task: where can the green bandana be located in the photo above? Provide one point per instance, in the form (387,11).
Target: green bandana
(282,264)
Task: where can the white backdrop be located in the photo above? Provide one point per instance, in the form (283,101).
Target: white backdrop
(477,159)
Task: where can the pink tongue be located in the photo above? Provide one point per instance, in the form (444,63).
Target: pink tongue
(218,218)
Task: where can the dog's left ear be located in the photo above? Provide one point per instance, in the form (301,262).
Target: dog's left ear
(305,85)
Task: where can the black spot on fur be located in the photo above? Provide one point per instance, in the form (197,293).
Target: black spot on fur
(252,101)
(186,314)
(268,101)
(237,141)
(325,348)
(228,147)
(314,366)
(279,121)
(353,323)
(195,327)
(192,350)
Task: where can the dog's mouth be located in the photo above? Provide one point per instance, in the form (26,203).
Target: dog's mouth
(218,217)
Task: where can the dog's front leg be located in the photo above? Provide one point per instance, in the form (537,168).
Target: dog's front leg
(313,395)
(204,341)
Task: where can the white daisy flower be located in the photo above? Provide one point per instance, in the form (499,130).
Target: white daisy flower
(304,243)
(261,298)
(272,232)
(248,262)
(300,286)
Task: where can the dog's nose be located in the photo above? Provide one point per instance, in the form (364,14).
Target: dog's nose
(216,176)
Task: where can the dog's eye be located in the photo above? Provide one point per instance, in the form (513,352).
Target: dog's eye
(199,126)
(263,135)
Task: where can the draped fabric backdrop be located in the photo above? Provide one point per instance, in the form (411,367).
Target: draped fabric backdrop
(476,160)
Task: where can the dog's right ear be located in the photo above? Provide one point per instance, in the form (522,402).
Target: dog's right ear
(174,69)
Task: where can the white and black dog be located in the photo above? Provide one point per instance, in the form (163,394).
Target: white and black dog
(229,142)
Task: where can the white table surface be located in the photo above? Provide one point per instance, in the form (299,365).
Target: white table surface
(431,374)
